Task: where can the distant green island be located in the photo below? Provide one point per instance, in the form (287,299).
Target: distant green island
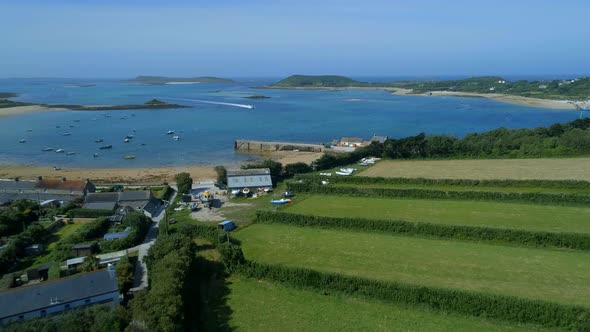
(5,103)
(156,80)
(570,89)
(8,95)
(152,104)
(257,97)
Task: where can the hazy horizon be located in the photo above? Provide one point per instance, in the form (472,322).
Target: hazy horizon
(263,38)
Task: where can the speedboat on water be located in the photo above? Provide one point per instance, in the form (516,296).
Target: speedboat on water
(170,132)
(127,140)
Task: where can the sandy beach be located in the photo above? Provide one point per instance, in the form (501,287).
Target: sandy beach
(8,111)
(143,175)
(517,100)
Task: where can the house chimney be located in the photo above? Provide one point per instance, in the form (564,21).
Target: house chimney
(63,179)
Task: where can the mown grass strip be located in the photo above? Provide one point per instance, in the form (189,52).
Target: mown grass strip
(527,217)
(506,308)
(533,273)
(260,305)
(473,233)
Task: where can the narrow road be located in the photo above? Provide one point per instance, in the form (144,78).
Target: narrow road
(141,278)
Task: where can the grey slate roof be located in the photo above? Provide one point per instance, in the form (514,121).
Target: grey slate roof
(100,205)
(30,298)
(252,178)
(140,195)
(11,197)
(251,171)
(101,197)
(16,185)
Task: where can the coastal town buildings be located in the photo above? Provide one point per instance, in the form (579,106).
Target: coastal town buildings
(141,200)
(59,190)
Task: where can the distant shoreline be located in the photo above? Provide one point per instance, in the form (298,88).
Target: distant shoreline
(38,108)
(511,99)
(142,174)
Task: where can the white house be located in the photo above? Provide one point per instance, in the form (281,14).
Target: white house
(54,297)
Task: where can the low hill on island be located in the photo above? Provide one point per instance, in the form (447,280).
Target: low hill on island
(562,89)
(327,81)
(168,80)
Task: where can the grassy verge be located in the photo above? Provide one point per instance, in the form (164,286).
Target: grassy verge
(550,275)
(537,169)
(471,213)
(265,306)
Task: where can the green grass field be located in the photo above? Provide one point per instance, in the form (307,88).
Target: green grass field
(511,189)
(263,306)
(501,215)
(560,276)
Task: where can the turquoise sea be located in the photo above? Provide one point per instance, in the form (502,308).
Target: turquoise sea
(207,131)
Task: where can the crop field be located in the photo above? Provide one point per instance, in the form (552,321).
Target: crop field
(505,189)
(531,169)
(552,275)
(473,213)
(263,306)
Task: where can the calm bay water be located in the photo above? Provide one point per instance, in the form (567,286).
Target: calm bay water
(207,131)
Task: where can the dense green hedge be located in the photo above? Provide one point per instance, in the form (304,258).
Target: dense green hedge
(88,213)
(577,241)
(171,268)
(165,193)
(532,197)
(363,180)
(501,307)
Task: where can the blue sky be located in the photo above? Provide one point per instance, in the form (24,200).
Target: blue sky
(121,38)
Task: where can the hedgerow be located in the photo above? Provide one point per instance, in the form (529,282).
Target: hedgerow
(558,184)
(514,197)
(88,213)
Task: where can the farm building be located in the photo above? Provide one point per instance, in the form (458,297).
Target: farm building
(249,178)
(83,249)
(73,262)
(379,139)
(142,200)
(54,297)
(351,142)
(34,250)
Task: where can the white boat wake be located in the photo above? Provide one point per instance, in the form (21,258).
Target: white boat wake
(211,102)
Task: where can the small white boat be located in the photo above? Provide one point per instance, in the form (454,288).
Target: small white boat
(127,140)
(176,138)
(66,134)
(170,132)
(95,155)
(249,106)
(70,153)
(47,149)
(60,150)
(22,140)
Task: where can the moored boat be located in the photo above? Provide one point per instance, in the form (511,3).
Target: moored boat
(176,138)
(22,140)
(47,149)
(60,150)
(66,134)
(129,157)
(70,153)
(170,132)
(106,147)
(99,140)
